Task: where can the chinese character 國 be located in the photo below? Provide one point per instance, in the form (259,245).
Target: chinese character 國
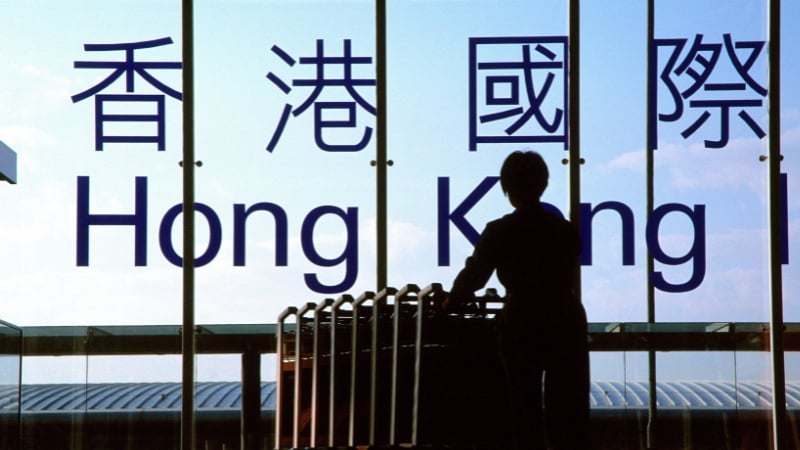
(517,90)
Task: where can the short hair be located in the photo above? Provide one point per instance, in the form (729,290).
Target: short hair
(524,175)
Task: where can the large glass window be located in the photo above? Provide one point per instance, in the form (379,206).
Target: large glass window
(709,124)
(91,105)
(285,127)
(287,191)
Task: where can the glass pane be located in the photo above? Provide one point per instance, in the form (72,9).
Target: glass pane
(613,181)
(792,359)
(468,84)
(90,127)
(10,401)
(219,401)
(608,399)
(456,109)
(754,395)
(697,399)
(790,145)
(636,393)
(128,394)
(285,119)
(54,384)
(708,233)
(83,86)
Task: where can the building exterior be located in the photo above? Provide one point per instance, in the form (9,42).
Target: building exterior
(328,148)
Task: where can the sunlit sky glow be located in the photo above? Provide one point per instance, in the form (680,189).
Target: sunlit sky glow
(238,110)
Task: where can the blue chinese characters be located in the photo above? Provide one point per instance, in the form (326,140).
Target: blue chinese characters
(322,109)
(129,68)
(695,76)
(517,90)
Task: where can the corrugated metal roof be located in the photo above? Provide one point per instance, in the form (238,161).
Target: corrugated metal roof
(129,396)
(227,395)
(690,394)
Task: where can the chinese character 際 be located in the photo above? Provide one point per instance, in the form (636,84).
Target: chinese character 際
(695,76)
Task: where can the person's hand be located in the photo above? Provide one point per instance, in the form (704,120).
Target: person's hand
(448,304)
(455,304)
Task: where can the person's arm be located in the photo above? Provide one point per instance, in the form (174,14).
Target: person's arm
(477,269)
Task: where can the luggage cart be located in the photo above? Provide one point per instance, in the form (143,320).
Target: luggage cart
(339,377)
(390,369)
(360,391)
(293,399)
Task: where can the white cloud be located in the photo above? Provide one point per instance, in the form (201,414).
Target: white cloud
(91,296)
(404,239)
(51,91)
(790,115)
(790,139)
(630,161)
(614,293)
(31,218)
(409,240)
(25,137)
(735,288)
(31,145)
(693,167)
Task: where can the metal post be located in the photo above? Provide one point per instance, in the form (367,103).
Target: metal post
(188,335)
(378,421)
(574,143)
(19,390)
(283,412)
(316,385)
(381,162)
(334,396)
(775,224)
(251,400)
(408,293)
(299,350)
(358,344)
(652,406)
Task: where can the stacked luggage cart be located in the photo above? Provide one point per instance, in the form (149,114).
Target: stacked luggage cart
(390,369)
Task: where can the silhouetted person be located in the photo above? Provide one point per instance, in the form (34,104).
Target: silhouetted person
(542,329)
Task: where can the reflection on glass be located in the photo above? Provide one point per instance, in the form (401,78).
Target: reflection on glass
(51,383)
(469,82)
(609,398)
(707,120)
(10,361)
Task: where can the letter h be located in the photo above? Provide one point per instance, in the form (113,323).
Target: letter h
(138,219)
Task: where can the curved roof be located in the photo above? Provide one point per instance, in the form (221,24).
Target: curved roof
(227,395)
(129,396)
(690,394)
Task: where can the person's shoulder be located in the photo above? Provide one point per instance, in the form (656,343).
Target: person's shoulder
(563,222)
(500,222)
(501,226)
(554,217)
(506,220)
(567,231)
(557,221)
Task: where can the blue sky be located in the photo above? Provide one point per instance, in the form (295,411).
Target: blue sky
(238,110)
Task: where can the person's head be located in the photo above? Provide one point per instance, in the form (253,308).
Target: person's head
(523,177)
